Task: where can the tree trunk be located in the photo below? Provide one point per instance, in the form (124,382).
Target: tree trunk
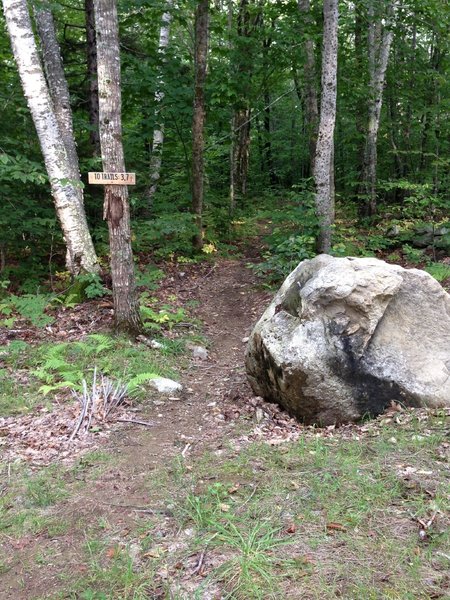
(241,149)
(158,133)
(310,82)
(116,207)
(361,102)
(273,179)
(240,122)
(379,48)
(91,51)
(81,255)
(198,121)
(323,164)
(58,88)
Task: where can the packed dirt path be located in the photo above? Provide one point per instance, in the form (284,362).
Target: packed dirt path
(203,417)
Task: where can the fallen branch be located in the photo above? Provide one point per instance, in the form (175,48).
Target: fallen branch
(136,422)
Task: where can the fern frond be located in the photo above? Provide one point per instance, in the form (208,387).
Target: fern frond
(54,363)
(98,342)
(139,379)
(56,350)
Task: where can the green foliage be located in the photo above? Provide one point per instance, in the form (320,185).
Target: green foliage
(413,255)
(156,318)
(136,381)
(94,285)
(250,573)
(293,236)
(166,235)
(439,271)
(65,365)
(29,306)
(148,277)
(285,256)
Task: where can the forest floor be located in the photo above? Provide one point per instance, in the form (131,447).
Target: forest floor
(222,495)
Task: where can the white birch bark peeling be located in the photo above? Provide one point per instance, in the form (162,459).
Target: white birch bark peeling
(81,255)
(57,84)
(158,133)
(323,164)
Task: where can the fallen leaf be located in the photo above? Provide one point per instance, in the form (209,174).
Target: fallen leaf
(112,552)
(336,527)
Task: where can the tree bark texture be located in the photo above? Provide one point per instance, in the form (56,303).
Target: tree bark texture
(57,85)
(116,207)
(240,122)
(323,165)
(198,121)
(158,132)
(81,256)
(310,96)
(91,55)
(379,45)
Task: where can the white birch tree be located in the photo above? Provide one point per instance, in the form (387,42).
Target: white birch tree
(323,164)
(158,132)
(81,255)
(57,85)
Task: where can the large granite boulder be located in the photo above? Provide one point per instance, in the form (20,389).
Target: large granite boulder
(344,337)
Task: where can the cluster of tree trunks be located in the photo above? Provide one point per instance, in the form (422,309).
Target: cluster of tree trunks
(45,87)
(50,109)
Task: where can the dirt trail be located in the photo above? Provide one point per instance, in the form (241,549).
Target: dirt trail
(228,305)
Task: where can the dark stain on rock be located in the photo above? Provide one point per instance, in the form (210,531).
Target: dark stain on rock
(372,394)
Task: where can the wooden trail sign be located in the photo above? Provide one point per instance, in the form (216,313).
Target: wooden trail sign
(112,178)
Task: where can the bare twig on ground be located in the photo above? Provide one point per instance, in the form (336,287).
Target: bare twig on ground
(136,422)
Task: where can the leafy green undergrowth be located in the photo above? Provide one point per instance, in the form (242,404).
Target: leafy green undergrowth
(353,515)
(31,373)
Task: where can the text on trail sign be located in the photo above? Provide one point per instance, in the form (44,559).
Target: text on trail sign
(112,178)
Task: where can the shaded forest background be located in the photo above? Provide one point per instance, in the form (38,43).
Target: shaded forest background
(257,85)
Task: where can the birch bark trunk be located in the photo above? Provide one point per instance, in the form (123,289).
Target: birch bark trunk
(323,164)
(379,45)
(158,133)
(116,208)
(91,55)
(58,88)
(81,255)
(310,82)
(198,121)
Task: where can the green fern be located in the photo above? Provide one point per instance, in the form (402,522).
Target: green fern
(46,389)
(98,342)
(138,380)
(29,306)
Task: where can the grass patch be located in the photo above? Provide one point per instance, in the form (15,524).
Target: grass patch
(334,514)
(323,517)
